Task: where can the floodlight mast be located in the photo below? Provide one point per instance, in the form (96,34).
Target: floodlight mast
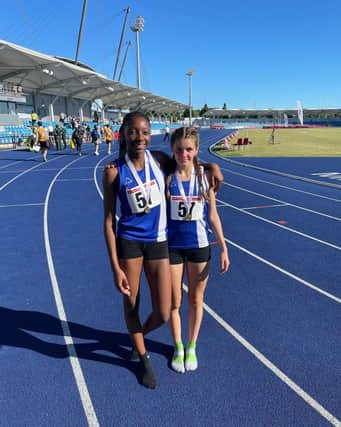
(190,73)
(121,40)
(137,28)
(85,5)
(124,60)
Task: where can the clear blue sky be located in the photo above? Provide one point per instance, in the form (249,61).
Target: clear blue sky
(249,54)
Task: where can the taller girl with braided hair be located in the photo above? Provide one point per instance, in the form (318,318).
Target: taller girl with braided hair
(191,207)
(139,239)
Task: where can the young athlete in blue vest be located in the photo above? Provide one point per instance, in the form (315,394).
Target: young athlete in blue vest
(191,208)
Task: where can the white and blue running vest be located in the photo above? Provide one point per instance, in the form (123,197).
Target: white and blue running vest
(146,227)
(187,234)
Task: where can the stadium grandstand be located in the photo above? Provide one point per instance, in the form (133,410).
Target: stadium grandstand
(241,118)
(48,85)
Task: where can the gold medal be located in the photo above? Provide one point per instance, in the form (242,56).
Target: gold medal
(188,217)
(146,209)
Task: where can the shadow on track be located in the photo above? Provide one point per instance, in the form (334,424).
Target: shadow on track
(19,327)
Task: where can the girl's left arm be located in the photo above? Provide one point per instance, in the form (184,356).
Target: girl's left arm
(215,223)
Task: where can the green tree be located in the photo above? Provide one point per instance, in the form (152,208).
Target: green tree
(224,106)
(203,110)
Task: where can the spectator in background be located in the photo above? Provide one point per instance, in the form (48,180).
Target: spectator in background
(96,139)
(34,117)
(88,136)
(64,137)
(166,136)
(58,137)
(51,134)
(78,136)
(42,138)
(108,136)
(62,117)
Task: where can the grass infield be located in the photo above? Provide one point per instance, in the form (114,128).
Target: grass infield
(289,142)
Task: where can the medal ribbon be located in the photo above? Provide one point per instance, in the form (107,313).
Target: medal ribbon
(187,200)
(145,189)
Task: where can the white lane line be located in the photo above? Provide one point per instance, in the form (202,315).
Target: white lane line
(281,186)
(48,169)
(25,172)
(17,162)
(283,202)
(21,205)
(265,206)
(282,270)
(273,368)
(75,364)
(291,230)
(95,175)
(74,179)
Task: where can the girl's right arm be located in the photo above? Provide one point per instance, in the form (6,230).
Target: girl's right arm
(110,180)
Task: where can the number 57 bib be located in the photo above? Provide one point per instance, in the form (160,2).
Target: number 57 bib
(191,210)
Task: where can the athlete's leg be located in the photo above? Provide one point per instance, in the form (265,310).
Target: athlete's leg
(197,280)
(175,319)
(158,277)
(132,268)
(154,270)
(44,153)
(177,362)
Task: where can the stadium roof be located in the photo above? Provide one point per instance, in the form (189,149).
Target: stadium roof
(40,73)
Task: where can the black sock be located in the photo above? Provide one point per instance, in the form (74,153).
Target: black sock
(148,377)
(134,356)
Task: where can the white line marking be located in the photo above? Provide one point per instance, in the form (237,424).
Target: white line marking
(291,230)
(95,175)
(283,202)
(265,206)
(326,174)
(74,179)
(281,186)
(75,364)
(21,205)
(287,273)
(23,173)
(273,368)
(16,162)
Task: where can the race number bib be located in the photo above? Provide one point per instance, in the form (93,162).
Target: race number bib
(138,202)
(181,211)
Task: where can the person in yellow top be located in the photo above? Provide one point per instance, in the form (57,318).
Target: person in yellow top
(108,136)
(34,117)
(42,139)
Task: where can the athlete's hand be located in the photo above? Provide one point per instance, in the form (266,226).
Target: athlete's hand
(121,282)
(217,177)
(224,262)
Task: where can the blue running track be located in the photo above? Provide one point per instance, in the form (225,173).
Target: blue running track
(269,348)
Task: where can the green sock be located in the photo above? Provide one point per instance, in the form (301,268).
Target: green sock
(191,363)
(178,358)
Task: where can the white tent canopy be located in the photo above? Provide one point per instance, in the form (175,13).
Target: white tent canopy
(40,73)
